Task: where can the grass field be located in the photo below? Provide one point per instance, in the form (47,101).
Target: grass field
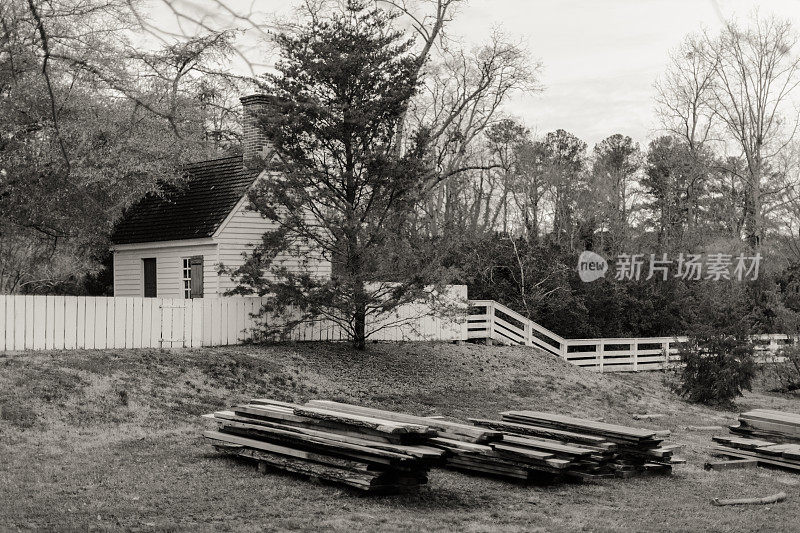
(109,440)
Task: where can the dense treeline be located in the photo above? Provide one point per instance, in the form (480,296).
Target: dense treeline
(721,179)
(440,183)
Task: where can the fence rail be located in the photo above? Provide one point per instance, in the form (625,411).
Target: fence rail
(80,322)
(491,320)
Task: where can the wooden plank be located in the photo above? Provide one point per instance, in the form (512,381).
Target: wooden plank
(71,322)
(166,323)
(232,324)
(156,321)
(740,442)
(774,427)
(548,445)
(111,322)
(179,322)
(518,452)
(538,431)
(3,310)
(80,323)
(27,321)
(776,412)
(58,323)
(207,320)
(241,317)
(9,322)
(188,321)
(478,433)
(462,447)
(216,322)
(282,415)
(224,308)
(15,323)
(197,323)
(377,424)
(754,418)
(119,337)
(39,322)
(90,323)
(138,311)
(130,321)
(580,424)
(50,322)
(100,322)
(746,454)
(147,323)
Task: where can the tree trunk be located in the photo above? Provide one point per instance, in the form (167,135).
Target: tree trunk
(752,227)
(360,320)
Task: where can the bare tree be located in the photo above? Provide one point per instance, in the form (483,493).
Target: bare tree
(755,72)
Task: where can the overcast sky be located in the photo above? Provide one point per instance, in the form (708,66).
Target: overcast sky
(600,57)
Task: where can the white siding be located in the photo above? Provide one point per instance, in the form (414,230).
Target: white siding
(128,269)
(242,231)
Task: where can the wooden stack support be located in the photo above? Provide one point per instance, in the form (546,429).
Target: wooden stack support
(618,450)
(367,453)
(770,437)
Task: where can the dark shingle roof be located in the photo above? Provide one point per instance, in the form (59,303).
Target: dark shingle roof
(191,211)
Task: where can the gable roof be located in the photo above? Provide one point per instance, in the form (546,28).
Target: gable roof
(191,211)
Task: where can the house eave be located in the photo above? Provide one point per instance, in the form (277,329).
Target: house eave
(162,244)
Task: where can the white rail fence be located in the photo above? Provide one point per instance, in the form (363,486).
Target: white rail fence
(79,322)
(491,320)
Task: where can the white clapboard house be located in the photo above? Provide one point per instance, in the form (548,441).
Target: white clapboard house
(171,245)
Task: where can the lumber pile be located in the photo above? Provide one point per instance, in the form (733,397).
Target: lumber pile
(493,451)
(591,449)
(771,438)
(769,424)
(364,452)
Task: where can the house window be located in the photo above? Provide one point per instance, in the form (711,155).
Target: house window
(187,277)
(192,277)
(150,277)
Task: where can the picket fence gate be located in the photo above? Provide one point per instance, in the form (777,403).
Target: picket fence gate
(84,322)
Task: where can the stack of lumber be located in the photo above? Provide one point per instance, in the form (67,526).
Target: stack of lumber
(486,450)
(770,437)
(769,424)
(443,429)
(615,449)
(364,452)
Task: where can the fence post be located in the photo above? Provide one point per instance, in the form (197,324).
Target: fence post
(600,352)
(564,349)
(528,334)
(490,325)
(635,346)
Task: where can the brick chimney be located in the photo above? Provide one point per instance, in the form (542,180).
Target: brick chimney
(254,143)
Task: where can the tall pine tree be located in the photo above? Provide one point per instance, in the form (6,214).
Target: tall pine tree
(338,186)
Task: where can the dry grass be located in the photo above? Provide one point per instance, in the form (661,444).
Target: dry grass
(109,440)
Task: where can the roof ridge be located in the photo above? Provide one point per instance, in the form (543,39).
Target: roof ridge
(215,160)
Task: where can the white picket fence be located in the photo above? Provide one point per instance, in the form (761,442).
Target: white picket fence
(491,320)
(79,322)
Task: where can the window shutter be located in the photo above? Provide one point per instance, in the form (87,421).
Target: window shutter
(197,277)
